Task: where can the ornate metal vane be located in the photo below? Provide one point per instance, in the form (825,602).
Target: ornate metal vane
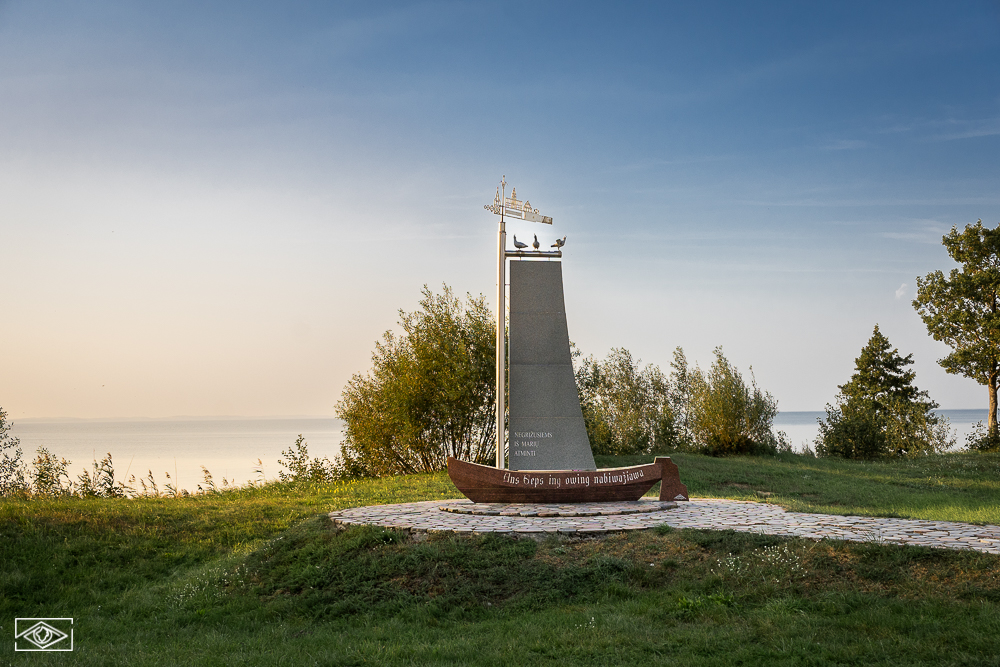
(515,208)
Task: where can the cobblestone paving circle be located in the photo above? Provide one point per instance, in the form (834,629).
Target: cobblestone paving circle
(597,518)
(550,510)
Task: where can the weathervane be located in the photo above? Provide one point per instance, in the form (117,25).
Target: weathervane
(513,207)
(510,206)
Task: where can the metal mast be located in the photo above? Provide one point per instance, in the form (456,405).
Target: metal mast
(501,326)
(511,206)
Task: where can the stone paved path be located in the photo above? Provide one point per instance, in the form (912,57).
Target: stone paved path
(595,518)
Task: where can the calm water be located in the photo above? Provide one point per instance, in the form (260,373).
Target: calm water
(228,447)
(802,428)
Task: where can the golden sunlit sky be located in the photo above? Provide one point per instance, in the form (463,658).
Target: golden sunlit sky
(217,208)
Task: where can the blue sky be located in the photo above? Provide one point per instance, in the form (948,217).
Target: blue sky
(217,208)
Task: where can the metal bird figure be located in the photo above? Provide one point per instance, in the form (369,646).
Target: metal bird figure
(518,244)
(559,243)
(536,245)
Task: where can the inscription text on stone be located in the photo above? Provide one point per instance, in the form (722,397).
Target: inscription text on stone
(524,443)
(581,479)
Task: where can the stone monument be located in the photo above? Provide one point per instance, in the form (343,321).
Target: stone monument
(546,429)
(549,457)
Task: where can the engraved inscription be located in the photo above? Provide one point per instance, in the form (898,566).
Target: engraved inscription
(576,480)
(525,443)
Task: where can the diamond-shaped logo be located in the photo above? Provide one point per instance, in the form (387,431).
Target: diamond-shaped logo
(43,634)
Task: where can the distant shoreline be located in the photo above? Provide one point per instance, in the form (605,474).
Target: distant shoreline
(783,416)
(956,415)
(178,418)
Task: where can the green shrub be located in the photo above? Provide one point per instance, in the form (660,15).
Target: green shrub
(302,470)
(47,474)
(430,393)
(850,435)
(12,474)
(626,410)
(725,416)
(981,440)
(100,483)
(633,411)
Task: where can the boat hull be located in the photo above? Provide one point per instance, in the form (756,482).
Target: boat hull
(483,484)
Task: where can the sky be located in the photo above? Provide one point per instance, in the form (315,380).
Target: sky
(217,208)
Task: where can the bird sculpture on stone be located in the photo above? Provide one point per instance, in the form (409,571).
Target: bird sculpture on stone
(518,244)
(559,243)
(536,245)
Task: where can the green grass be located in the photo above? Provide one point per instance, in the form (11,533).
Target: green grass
(951,487)
(260,576)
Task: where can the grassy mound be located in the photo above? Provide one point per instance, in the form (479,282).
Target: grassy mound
(261,576)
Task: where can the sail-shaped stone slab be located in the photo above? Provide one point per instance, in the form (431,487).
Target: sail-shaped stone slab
(545,429)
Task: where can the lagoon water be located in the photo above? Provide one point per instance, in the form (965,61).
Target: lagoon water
(227,446)
(802,428)
(231,446)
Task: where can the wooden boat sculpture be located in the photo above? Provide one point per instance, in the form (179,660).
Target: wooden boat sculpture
(483,484)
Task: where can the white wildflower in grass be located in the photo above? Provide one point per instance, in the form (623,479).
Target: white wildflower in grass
(774,564)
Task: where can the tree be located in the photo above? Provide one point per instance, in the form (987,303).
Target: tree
(880,376)
(879,412)
(302,469)
(430,393)
(963,310)
(724,415)
(633,411)
(48,471)
(12,473)
(679,397)
(626,410)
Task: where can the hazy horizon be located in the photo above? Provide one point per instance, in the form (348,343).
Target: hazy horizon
(218,208)
(241,450)
(335,418)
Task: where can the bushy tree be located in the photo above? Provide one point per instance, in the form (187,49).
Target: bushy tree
(626,408)
(880,412)
(724,415)
(429,395)
(679,397)
(302,469)
(12,473)
(47,474)
(631,411)
(963,310)
(100,481)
